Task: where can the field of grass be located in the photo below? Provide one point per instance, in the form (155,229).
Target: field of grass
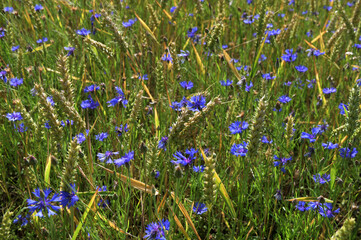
(180,119)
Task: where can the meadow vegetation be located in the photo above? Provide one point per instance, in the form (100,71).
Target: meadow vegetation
(187,119)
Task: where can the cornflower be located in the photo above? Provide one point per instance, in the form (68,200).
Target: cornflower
(44,203)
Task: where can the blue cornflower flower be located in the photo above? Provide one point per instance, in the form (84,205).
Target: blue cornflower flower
(329,145)
(186,85)
(249,20)
(181,159)
(224,46)
(47,125)
(262,58)
(23,219)
(289,56)
(314,205)
(21,127)
(282,160)
(199,208)
(143,77)
(129,23)
(119,98)
(167,57)
(66,123)
(83,32)
(183,54)
(156,174)
(177,106)
(162,144)
(301,68)
(192,32)
(357,45)
(50,100)
(91,88)
(271,34)
(284,99)
(38,7)
(69,199)
(268,76)
(264,139)
(125,159)
(198,168)
(329,90)
(302,206)
(80,138)
(196,103)
(90,103)
(248,86)
(239,149)
(289,83)
(44,203)
(326,210)
(101,136)
(317,130)
(322,127)
(42,40)
(328,8)
(226,83)
(14,48)
(343,107)
(325,178)
(15,116)
(120,130)
(8,9)
(172,9)
(238,127)
(156,230)
(3,76)
(310,137)
(311,82)
(348,153)
(14,82)
(314,52)
(107,156)
(94,16)
(70,50)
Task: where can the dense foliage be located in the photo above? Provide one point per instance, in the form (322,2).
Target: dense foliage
(190,119)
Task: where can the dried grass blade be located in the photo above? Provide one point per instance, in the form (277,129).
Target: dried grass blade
(199,60)
(185,213)
(145,26)
(230,64)
(134,183)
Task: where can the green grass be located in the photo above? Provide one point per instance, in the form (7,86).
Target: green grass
(240,192)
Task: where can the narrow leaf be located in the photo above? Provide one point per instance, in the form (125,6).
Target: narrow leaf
(80,225)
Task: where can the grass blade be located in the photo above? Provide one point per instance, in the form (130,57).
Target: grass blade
(80,225)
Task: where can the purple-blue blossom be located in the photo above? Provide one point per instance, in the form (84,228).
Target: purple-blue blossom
(125,159)
(238,127)
(239,149)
